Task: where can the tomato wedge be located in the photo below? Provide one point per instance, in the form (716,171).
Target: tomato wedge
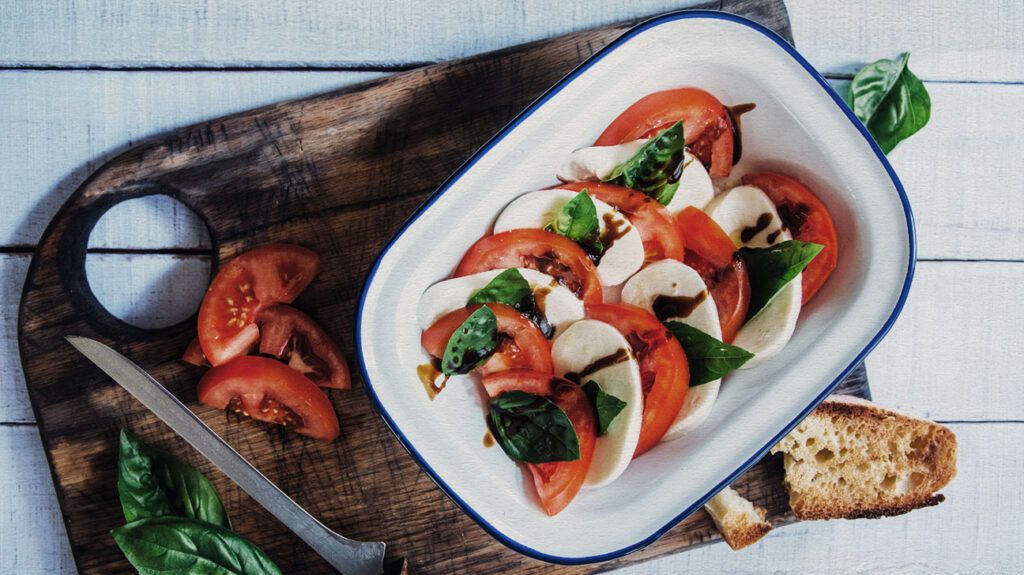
(269,274)
(194,354)
(267,390)
(706,124)
(293,337)
(663,367)
(652,221)
(522,345)
(557,483)
(807,219)
(537,249)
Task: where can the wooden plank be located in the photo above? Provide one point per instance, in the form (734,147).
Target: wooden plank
(976,530)
(965,209)
(949,40)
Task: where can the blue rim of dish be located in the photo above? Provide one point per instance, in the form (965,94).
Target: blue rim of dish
(628,35)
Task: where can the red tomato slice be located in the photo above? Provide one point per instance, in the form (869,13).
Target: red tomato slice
(663,367)
(522,347)
(706,125)
(652,221)
(293,337)
(704,236)
(557,483)
(730,288)
(194,354)
(269,274)
(268,390)
(543,251)
(807,219)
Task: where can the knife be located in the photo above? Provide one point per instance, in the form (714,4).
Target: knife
(348,556)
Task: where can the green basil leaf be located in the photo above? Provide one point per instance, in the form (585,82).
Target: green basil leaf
(165,545)
(890,100)
(708,358)
(472,343)
(153,483)
(531,428)
(578,221)
(771,268)
(509,287)
(606,405)
(655,168)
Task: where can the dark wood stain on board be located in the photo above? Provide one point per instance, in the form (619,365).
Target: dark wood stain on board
(339,173)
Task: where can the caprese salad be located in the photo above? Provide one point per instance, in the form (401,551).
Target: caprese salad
(601,315)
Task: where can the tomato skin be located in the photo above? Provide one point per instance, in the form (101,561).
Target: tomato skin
(263,276)
(807,219)
(652,221)
(262,384)
(526,348)
(706,124)
(194,354)
(287,332)
(729,287)
(705,237)
(663,367)
(557,483)
(537,249)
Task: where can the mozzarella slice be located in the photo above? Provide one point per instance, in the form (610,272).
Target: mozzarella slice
(748,216)
(676,279)
(583,343)
(538,209)
(695,188)
(737,211)
(558,304)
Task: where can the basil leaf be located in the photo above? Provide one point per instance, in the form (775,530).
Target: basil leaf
(606,405)
(163,545)
(656,167)
(472,343)
(509,287)
(890,100)
(531,428)
(578,221)
(708,358)
(153,483)
(771,268)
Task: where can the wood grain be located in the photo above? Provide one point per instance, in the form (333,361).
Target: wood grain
(338,173)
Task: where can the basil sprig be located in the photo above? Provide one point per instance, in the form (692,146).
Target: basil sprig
(771,268)
(472,342)
(532,429)
(511,288)
(890,100)
(159,545)
(152,483)
(655,168)
(606,406)
(708,358)
(577,221)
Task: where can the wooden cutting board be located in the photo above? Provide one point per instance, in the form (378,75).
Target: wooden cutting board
(339,173)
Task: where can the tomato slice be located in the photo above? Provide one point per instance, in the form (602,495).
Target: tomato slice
(269,274)
(537,249)
(557,483)
(706,124)
(652,221)
(194,354)
(729,287)
(293,337)
(807,219)
(268,390)
(705,237)
(523,345)
(663,367)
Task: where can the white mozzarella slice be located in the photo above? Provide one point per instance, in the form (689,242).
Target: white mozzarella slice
(560,306)
(597,162)
(538,209)
(769,331)
(695,187)
(743,210)
(583,343)
(674,279)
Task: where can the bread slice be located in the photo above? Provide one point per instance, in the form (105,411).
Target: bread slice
(851,459)
(741,522)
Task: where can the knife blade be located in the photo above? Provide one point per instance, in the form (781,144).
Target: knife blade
(347,555)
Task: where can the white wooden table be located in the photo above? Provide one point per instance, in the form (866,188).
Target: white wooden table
(81,80)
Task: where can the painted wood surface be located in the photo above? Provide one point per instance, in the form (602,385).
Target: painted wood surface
(960,173)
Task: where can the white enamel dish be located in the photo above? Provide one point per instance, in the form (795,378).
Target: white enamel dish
(800,128)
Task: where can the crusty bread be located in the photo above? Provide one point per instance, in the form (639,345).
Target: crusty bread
(851,458)
(740,521)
